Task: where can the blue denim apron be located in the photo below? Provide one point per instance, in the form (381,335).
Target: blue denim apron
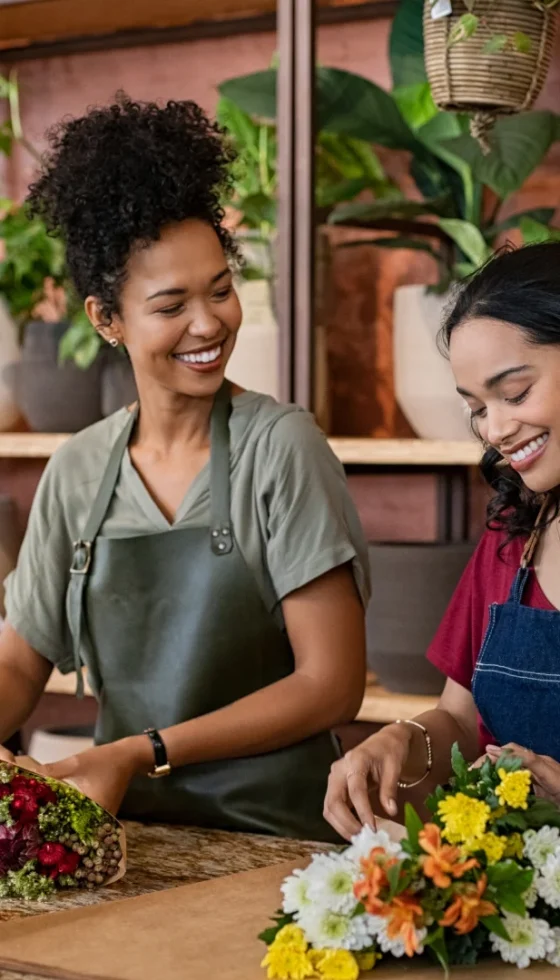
(516,683)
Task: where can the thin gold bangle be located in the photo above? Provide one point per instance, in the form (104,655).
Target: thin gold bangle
(430,758)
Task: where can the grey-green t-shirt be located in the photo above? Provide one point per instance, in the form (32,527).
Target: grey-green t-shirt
(292,514)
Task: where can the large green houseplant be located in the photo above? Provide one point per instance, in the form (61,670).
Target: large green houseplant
(460,209)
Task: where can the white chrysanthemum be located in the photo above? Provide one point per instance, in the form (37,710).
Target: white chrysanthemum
(331,880)
(531,895)
(296,892)
(331,930)
(554,956)
(364,842)
(377,925)
(529,939)
(548,881)
(540,844)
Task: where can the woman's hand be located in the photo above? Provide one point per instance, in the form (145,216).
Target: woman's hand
(103,773)
(377,762)
(544,770)
(6,755)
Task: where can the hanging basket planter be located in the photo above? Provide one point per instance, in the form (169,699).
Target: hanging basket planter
(490,59)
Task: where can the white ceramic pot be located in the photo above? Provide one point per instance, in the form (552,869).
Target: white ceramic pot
(9,354)
(254,362)
(424,383)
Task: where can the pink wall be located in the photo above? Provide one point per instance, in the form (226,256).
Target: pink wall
(360,331)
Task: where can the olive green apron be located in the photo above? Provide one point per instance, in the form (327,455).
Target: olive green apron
(172,626)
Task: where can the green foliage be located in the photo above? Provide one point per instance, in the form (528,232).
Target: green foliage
(80,343)
(280,920)
(5,815)
(26,883)
(507,883)
(73,813)
(413,825)
(30,256)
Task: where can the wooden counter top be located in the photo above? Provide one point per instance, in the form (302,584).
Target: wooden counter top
(161,857)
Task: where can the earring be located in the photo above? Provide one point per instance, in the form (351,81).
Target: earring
(114,342)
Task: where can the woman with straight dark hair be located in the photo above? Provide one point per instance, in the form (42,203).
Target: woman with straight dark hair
(499,642)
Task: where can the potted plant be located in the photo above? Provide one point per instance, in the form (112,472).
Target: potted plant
(455,215)
(488,57)
(64,379)
(344,167)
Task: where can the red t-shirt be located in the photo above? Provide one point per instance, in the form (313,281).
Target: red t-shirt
(487,578)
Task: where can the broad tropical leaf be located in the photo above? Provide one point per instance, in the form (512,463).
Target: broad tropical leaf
(469,238)
(416,104)
(406,44)
(397,207)
(518,144)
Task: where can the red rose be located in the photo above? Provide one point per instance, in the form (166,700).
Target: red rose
(58,859)
(24,807)
(5,790)
(33,788)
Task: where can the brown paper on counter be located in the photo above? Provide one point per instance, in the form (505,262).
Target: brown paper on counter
(34,768)
(205,931)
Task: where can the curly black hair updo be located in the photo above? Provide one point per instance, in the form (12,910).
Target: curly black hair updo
(112,179)
(521,287)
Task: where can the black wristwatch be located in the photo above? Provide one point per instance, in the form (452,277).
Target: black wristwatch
(161,762)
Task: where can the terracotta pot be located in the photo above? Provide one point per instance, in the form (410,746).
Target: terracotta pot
(424,383)
(53,397)
(411,588)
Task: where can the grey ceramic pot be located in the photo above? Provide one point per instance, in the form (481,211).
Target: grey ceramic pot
(53,397)
(411,588)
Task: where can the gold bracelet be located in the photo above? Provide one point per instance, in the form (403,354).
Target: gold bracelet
(428,741)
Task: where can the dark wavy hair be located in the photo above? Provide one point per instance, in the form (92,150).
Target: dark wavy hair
(112,179)
(521,287)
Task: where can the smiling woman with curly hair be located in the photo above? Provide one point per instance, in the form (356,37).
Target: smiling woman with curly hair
(198,552)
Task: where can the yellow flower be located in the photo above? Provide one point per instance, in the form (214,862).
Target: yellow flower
(367,961)
(286,958)
(463,818)
(500,811)
(493,846)
(286,962)
(291,936)
(338,964)
(514,788)
(514,846)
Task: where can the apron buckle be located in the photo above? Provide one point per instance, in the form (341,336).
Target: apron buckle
(222,540)
(81,559)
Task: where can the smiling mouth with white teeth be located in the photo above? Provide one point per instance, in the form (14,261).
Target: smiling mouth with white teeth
(524,457)
(202,357)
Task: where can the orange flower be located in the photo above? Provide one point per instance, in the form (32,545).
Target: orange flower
(443,862)
(468,907)
(404,915)
(368,889)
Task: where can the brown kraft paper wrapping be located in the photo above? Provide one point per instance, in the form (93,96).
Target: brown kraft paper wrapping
(205,931)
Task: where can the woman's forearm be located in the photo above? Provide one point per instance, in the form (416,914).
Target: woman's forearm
(289,711)
(18,698)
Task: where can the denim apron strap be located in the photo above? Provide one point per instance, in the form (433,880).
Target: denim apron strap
(522,575)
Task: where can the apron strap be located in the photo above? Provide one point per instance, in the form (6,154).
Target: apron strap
(529,549)
(221,536)
(82,554)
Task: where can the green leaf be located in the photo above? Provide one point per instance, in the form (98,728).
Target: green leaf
(436,942)
(510,901)
(269,935)
(518,145)
(406,44)
(471,242)
(534,232)
(495,924)
(393,877)
(365,212)
(416,103)
(346,190)
(540,813)
(463,29)
(522,42)
(544,215)
(458,763)
(508,883)
(413,824)
(462,270)
(516,820)
(495,44)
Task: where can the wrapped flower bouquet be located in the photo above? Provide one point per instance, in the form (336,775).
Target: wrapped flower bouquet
(481,878)
(53,837)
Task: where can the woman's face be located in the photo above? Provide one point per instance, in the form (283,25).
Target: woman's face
(512,388)
(179,313)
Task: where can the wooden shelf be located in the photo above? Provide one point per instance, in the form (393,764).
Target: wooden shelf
(360,452)
(379,706)
(382,707)
(29,24)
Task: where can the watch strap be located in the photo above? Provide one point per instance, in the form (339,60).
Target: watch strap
(161,762)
